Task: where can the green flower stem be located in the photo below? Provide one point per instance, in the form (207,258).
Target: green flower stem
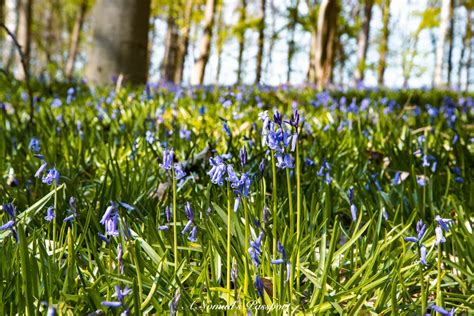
(247,236)
(298,219)
(229,213)
(275,222)
(175,234)
(423,291)
(439,296)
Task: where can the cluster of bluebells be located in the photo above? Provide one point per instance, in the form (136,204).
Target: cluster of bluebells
(420,231)
(110,220)
(168,156)
(190,216)
(72,211)
(255,251)
(10,209)
(442,225)
(48,177)
(324,171)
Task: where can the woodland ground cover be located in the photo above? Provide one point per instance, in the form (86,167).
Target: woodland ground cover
(186,200)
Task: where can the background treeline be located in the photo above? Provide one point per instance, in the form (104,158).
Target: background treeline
(103,39)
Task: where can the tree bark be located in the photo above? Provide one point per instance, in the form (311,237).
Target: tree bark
(363,41)
(383,47)
(24,37)
(325,41)
(120,41)
(183,43)
(465,45)
(469,56)
(75,39)
(261,42)
(451,42)
(219,41)
(443,30)
(168,67)
(201,63)
(293,20)
(241,39)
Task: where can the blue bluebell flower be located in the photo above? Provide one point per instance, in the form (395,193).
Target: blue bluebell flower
(284,161)
(226,129)
(40,170)
(168,155)
(259,286)
(217,171)
(50,214)
(34,144)
(443,222)
(442,311)
(168,213)
(149,137)
(423,255)
(103,238)
(110,220)
(39,156)
(56,103)
(174,303)
(128,207)
(261,166)
(163,227)
(52,175)
(10,209)
(120,297)
(179,173)
(243,156)
(192,235)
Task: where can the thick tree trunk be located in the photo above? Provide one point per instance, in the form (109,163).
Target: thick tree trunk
(183,43)
(120,41)
(363,41)
(201,63)
(24,37)
(75,39)
(465,46)
(261,42)
(325,41)
(383,47)
(451,42)
(241,39)
(293,20)
(469,61)
(443,30)
(273,37)
(168,67)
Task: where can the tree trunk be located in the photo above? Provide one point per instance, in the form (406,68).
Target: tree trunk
(469,57)
(261,42)
(75,39)
(443,30)
(363,41)
(293,20)
(183,43)
(273,37)
(465,46)
(219,41)
(24,37)
(120,41)
(383,48)
(451,42)
(168,67)
(325,41)
(241,39)
(201,63)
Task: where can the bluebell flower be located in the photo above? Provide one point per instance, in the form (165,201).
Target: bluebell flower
(231,175)
(192,235)
(167,159)
(174,303)
(443,222)
(7,225)
(185,134)
(189,212)
(39,156)
(103,238)
(10,209)
(40,170)
(217,171)
(421,181)
(259,286)
(50,214)
(423,255)
(236,203)
(163,227)
(150,139)
(234,272)
(439,236)
(178,171)
(168,213)
(52,175)
(442,311)
(120,297)
(34,144)
(277,118)
(457,172)
(110,220)
(56,103)
(243,156)
(51,311)
(284,161)
(261,166)
(309,162)
(128,207)
(255,249)
(226,129)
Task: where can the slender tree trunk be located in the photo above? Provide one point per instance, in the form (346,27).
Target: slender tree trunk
(443,30)
(465,46)
(220,40)
(293,20)
(469,61)
(261,42)
(451,42)
(24,37)
(120,41)
(273,36)
(363,41)
(183,42)
(312,65)
(241,39)
(325,41)
(75,39)
(383,47)
(201,63)
(168,67)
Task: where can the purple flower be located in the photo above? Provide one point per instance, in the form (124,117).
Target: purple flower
(192,235)
(439,236)
(226,129)
(7,225)
(52,175)
(259,286)
(150,139)
(110,220)
(442,311)
(10,209)
(50,214)
(126,206)
(443,222)
(178,171)
(40,170)
(423,255)
(243,156)
(189,212)
(261,166)
(34,144)
(217,171)
(38,156)
(421,181)
(236,203)
(174,303)
(168,213)
(103,238)
(163,227)
(284,161)
(167,159)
